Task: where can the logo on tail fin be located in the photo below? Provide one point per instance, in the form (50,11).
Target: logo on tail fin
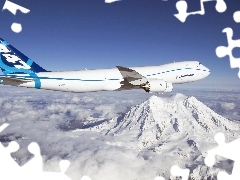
(13,61)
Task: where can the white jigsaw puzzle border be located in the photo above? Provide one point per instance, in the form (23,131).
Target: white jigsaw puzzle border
(228,150)
(182,8)
(33,169)
(222,51)
(13,8)
(221,7)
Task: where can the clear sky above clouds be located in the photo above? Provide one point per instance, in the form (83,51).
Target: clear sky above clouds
(78,34)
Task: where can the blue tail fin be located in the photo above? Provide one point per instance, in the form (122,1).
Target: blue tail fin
(13,61)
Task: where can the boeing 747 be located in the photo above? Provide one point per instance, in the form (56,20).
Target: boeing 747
(19,70)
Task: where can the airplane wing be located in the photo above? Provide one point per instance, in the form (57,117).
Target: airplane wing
(129,74)
(134,80)
(14,81)
(131,79)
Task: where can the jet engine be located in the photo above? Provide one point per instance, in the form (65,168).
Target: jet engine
(157,86)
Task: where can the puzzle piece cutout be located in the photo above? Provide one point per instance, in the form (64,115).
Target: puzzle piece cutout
(12,7)
(5,156)
(111,1)
(64,164)
(222,51)
(236,16)
(86,178)
(182,7)
(177,171)
(159,178)
(33,169)
(5,125)
(228,150)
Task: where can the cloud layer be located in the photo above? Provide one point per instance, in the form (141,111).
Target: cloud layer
(59,123)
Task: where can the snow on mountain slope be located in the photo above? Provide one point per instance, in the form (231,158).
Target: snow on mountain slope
(179,128)
(166,120)
(159,121)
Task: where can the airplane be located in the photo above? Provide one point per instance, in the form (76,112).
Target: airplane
(19,70)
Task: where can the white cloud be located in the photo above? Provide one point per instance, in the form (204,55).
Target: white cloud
(52,118)
(228,106)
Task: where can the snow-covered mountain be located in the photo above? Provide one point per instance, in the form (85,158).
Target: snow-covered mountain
(160,121)
(179,128)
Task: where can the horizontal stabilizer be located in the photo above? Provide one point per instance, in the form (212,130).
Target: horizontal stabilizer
(14,81)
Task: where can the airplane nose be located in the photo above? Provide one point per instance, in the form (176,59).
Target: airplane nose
(207,71)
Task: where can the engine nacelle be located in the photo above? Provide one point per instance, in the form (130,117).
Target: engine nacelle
(157,86)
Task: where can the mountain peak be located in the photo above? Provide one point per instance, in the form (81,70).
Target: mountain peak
(176,97)
(153,98)
(157,121)
(179,96)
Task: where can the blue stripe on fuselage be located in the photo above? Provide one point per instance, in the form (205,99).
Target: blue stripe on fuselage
(38,79)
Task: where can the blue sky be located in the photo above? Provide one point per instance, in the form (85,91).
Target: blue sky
(76,34)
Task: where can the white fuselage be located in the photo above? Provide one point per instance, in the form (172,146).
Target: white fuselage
(109,79)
